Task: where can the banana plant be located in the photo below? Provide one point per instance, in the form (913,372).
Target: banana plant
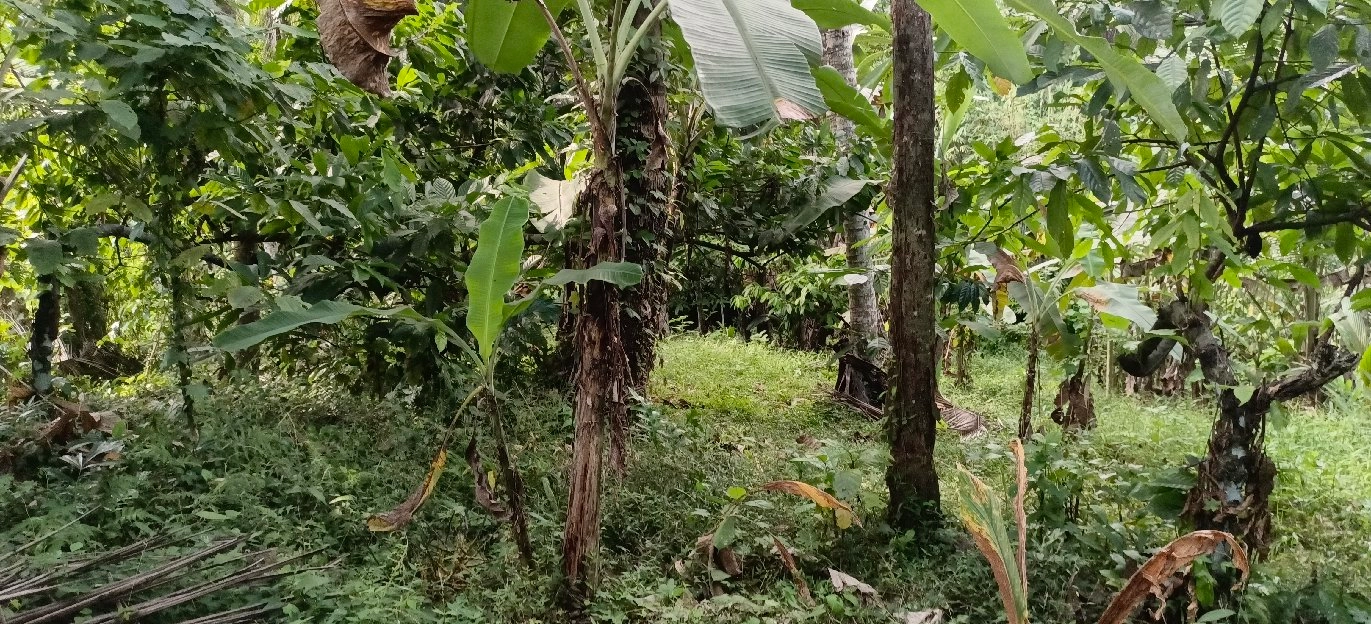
(494,271)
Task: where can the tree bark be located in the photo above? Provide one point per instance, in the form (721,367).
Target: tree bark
(46,320)
(644,152)
(912,424)
(863,312)
(601,376)
(1234,482)
(1030,385)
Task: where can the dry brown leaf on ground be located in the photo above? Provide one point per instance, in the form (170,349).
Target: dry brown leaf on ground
(397,518)
(356,37)
(927,616)
(821,498)
(843,580)
(1175,557)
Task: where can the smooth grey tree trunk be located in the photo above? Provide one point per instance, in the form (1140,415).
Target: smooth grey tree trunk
(865,315)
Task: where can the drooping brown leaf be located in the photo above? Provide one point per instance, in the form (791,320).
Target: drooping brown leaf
(965,422)
(1021,518)
(842,512)
(1177,556)
(729,562)
(484,497)
(1006,267)
(790,111)
(356,37)
(397,518)
(788,560)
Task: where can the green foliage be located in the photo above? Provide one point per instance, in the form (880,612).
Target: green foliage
(750,79)
(493,270)
(507,36)
(980,27)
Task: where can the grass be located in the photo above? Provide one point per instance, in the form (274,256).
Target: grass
(301,464)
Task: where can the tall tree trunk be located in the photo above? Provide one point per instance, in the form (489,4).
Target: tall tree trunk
(601,386)
(912,425)
(644,152)
(46,320)
(865,315)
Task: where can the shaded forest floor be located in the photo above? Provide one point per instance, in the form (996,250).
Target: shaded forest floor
(300,464)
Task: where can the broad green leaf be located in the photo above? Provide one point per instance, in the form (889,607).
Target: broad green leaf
(726,533)
(327,312)
(980,27)
(837,191)
(556,200)
(241,297)
(122,116)
(1173,71)
(752,58)
(829,14)
(1324,47)
(1238,16)
(846,100)
(507,36)
(45,255)
(1119,300)
(1059,225)
(617,273)
(1144,86)
(494,269)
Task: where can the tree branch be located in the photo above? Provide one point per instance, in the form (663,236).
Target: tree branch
(1310,221)
(597,125)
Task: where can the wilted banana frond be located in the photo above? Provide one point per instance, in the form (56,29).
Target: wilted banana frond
(981,513)
(1175,558)
(43,594)
(842,514)
(356,37)
(397,518)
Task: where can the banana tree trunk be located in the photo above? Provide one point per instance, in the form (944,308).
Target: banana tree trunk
(601,388)
(913,418)
(864,314)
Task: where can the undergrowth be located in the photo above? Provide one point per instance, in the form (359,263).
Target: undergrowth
(300,465)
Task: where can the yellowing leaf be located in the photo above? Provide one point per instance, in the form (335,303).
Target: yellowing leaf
(842,512)
(397,518)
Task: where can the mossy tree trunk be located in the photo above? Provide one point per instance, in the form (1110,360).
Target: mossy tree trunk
(913,417)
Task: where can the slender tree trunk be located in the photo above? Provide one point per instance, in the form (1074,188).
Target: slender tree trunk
(644,152)
(46,320)
(601,388)
(912,424)
(1030,385)
(864,314)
